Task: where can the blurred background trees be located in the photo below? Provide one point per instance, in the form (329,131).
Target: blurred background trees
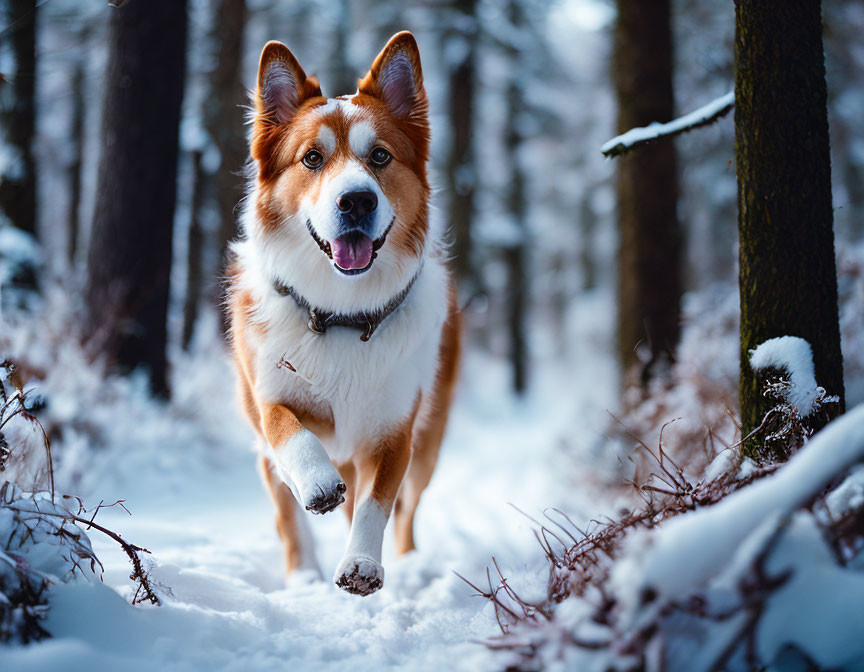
(547,233)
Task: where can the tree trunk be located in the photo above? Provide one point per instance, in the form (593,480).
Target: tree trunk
(223,119)
(587,253)
(129,263)
(194,253)
(650,241)
(517,206)
(18,115)
(461,169)
(75,168)
(788,277)
(343,78)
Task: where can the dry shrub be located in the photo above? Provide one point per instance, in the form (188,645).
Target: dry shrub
(43,537)
(582,561)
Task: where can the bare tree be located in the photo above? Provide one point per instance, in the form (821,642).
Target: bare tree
(460,40)
(343,78)
(129,263)
(514,252)
(76,165)
(223,111)
(194,255)
(649,257)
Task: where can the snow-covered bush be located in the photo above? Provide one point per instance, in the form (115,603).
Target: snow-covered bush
(747,567)
(40,545)
(43,538)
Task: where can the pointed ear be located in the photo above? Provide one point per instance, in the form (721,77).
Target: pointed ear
(396,77)
(282,86)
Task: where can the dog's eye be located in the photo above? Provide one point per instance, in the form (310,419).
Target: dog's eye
(313,159)
(380,156)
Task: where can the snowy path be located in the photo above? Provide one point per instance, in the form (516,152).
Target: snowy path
(210,528)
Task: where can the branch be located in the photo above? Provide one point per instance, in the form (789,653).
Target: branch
(637,137)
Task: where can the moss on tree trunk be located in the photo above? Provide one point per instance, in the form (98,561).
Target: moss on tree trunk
(788,278)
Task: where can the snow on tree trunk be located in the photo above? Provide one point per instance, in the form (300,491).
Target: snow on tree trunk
(788,279)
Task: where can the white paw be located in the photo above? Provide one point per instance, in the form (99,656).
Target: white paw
(359,575)
(304,466)
(321,492)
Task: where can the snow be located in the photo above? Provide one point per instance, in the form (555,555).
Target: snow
(703,115)
(706,538)
(795,356)
(848,496)
(725,463)
(723,556)
(829,628)
(188,475)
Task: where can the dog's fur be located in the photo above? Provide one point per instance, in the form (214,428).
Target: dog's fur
(375,409)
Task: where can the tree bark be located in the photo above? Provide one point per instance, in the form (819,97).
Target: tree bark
(18,116)
(787,271)
(344,79)
(514,252)
(75,168)
(461,169)
(587,253)
(650,241)
(129,262)
(223,119)
(194,254)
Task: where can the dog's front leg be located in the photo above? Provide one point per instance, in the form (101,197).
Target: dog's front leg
(301,460)
(379,475)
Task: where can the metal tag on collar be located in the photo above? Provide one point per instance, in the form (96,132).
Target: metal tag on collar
(314,323)
(367,333)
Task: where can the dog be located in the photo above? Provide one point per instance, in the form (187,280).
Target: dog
(344,322)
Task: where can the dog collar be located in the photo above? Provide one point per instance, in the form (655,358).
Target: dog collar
(367,322)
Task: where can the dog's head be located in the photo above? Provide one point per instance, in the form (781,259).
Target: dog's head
(341,193)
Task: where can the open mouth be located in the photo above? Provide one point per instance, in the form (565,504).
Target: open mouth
(352,253)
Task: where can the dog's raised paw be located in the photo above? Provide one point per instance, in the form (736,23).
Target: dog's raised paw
(324,500)
(359,575)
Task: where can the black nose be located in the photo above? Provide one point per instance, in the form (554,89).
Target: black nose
(357,203)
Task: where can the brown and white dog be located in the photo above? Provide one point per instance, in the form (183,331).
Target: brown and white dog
(343,314)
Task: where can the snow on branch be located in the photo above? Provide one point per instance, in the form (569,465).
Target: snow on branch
(691,549)
(636,137)
(753,571)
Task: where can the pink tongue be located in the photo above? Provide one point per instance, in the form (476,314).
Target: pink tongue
(352,251)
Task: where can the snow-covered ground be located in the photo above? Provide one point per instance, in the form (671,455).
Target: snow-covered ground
(196,502)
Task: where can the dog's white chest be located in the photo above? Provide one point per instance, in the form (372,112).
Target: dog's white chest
(366,386)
